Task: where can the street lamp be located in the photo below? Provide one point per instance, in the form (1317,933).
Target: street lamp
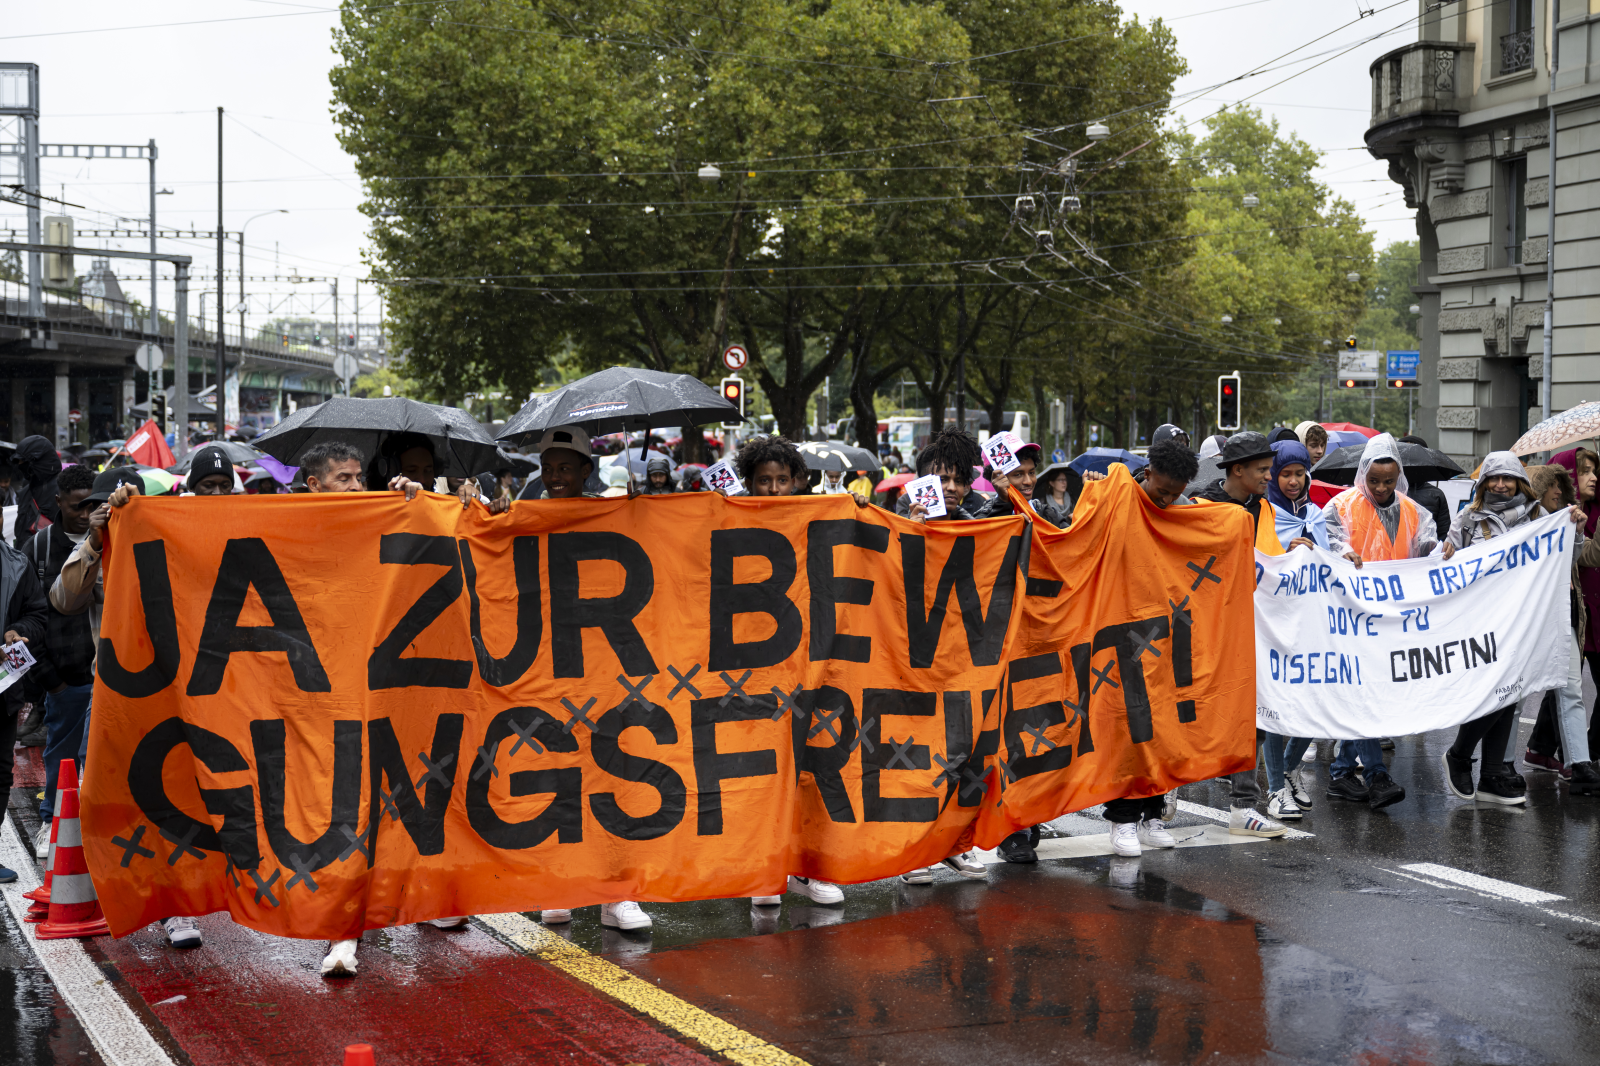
(252,218)
(710,173)
(1227,320)
(1097,131)
(1416,309)
(1353,278)
(1252,200)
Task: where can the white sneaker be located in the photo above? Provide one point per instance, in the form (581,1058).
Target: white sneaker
(967,865)
(1300,782)
(1246,822)
(816,891)
(1125,839)
(1282,805)
(624,914)
(448,923)
(1169,806)
(1153,834)
(922,875)
(766,901)
(555,916)
(182,932)
(41,842)
(341,959)
(1310,756)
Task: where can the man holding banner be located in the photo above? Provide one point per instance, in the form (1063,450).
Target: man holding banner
(1247,462)
(1374,520)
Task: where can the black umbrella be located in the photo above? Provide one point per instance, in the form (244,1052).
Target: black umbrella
(1210,470)
(461,445)
(238,454)
(833,455)
(1074,479)
(620,399)
(1420,464)
(517,463)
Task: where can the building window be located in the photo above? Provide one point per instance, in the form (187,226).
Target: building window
(1514,186)
(1516,45)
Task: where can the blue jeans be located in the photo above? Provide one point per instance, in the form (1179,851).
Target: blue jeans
(66,718)
(1273,747)
(1344,764)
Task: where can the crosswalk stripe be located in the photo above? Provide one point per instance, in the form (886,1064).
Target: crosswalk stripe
(116,1031)
(676,1014)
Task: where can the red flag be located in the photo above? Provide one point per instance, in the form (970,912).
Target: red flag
(149,447)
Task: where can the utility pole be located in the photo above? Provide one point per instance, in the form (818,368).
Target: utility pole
(222,341)
(155,319)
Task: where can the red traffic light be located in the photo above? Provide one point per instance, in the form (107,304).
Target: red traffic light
(732,390)
(1227,390)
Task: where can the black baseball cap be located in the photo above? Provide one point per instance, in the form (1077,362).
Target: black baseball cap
(106,482)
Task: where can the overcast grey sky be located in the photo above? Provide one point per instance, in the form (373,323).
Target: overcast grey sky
(118,73)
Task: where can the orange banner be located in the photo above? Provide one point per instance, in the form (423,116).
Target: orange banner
(332,713)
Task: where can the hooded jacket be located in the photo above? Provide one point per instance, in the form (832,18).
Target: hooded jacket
(36,460)
(655,463)
(1482,519)
(1298,517)
(1398,529)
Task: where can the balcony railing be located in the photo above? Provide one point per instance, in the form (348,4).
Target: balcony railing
(1516,51)
(1419,79)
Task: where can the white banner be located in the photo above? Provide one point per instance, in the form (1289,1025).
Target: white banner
(1405,647)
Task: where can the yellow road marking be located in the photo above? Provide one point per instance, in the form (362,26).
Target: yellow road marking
(676,1014)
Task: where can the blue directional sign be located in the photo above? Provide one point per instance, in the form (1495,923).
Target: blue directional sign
(1404,364)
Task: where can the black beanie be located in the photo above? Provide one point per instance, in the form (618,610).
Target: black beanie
(208,461)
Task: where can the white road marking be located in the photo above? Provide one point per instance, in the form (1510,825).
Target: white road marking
(1224,816)
(116,1031)
(1479,883)
(1450,886)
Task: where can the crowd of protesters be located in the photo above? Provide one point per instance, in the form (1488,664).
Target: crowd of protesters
(51,590)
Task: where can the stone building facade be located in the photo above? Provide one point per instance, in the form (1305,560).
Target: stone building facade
(1462,117)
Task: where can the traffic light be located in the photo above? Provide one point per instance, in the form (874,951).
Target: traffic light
(1228,395)
(1403,383)
(1347,382)
(1350,342)
(733,392)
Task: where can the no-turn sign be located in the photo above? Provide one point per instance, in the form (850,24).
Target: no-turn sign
(735,357)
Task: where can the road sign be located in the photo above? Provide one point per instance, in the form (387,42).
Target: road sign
(149,358)
(345,366)
(74,416)
(735,358)
(1360,368)
(1404,364)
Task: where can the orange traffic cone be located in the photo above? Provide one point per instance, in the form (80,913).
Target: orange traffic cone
(39,909)
(358,1055)
(74,907)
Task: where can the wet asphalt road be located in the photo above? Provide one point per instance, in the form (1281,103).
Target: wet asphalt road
(1332,948)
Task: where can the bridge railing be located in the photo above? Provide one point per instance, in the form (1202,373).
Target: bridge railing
(97,312)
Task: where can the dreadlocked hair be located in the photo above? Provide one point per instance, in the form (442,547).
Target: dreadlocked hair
(764,449)
(952,448)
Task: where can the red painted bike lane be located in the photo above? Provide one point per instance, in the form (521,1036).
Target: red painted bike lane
(424,997)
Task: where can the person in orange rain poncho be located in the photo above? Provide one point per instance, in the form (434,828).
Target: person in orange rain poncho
(1375,519)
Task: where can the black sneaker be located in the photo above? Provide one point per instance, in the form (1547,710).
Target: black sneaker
(1458,774)
(7,875)
(1386,743)
(1496,788)
(1585,780)
(1383,791)
(1513,779)
(1018,847)
(1348,788)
